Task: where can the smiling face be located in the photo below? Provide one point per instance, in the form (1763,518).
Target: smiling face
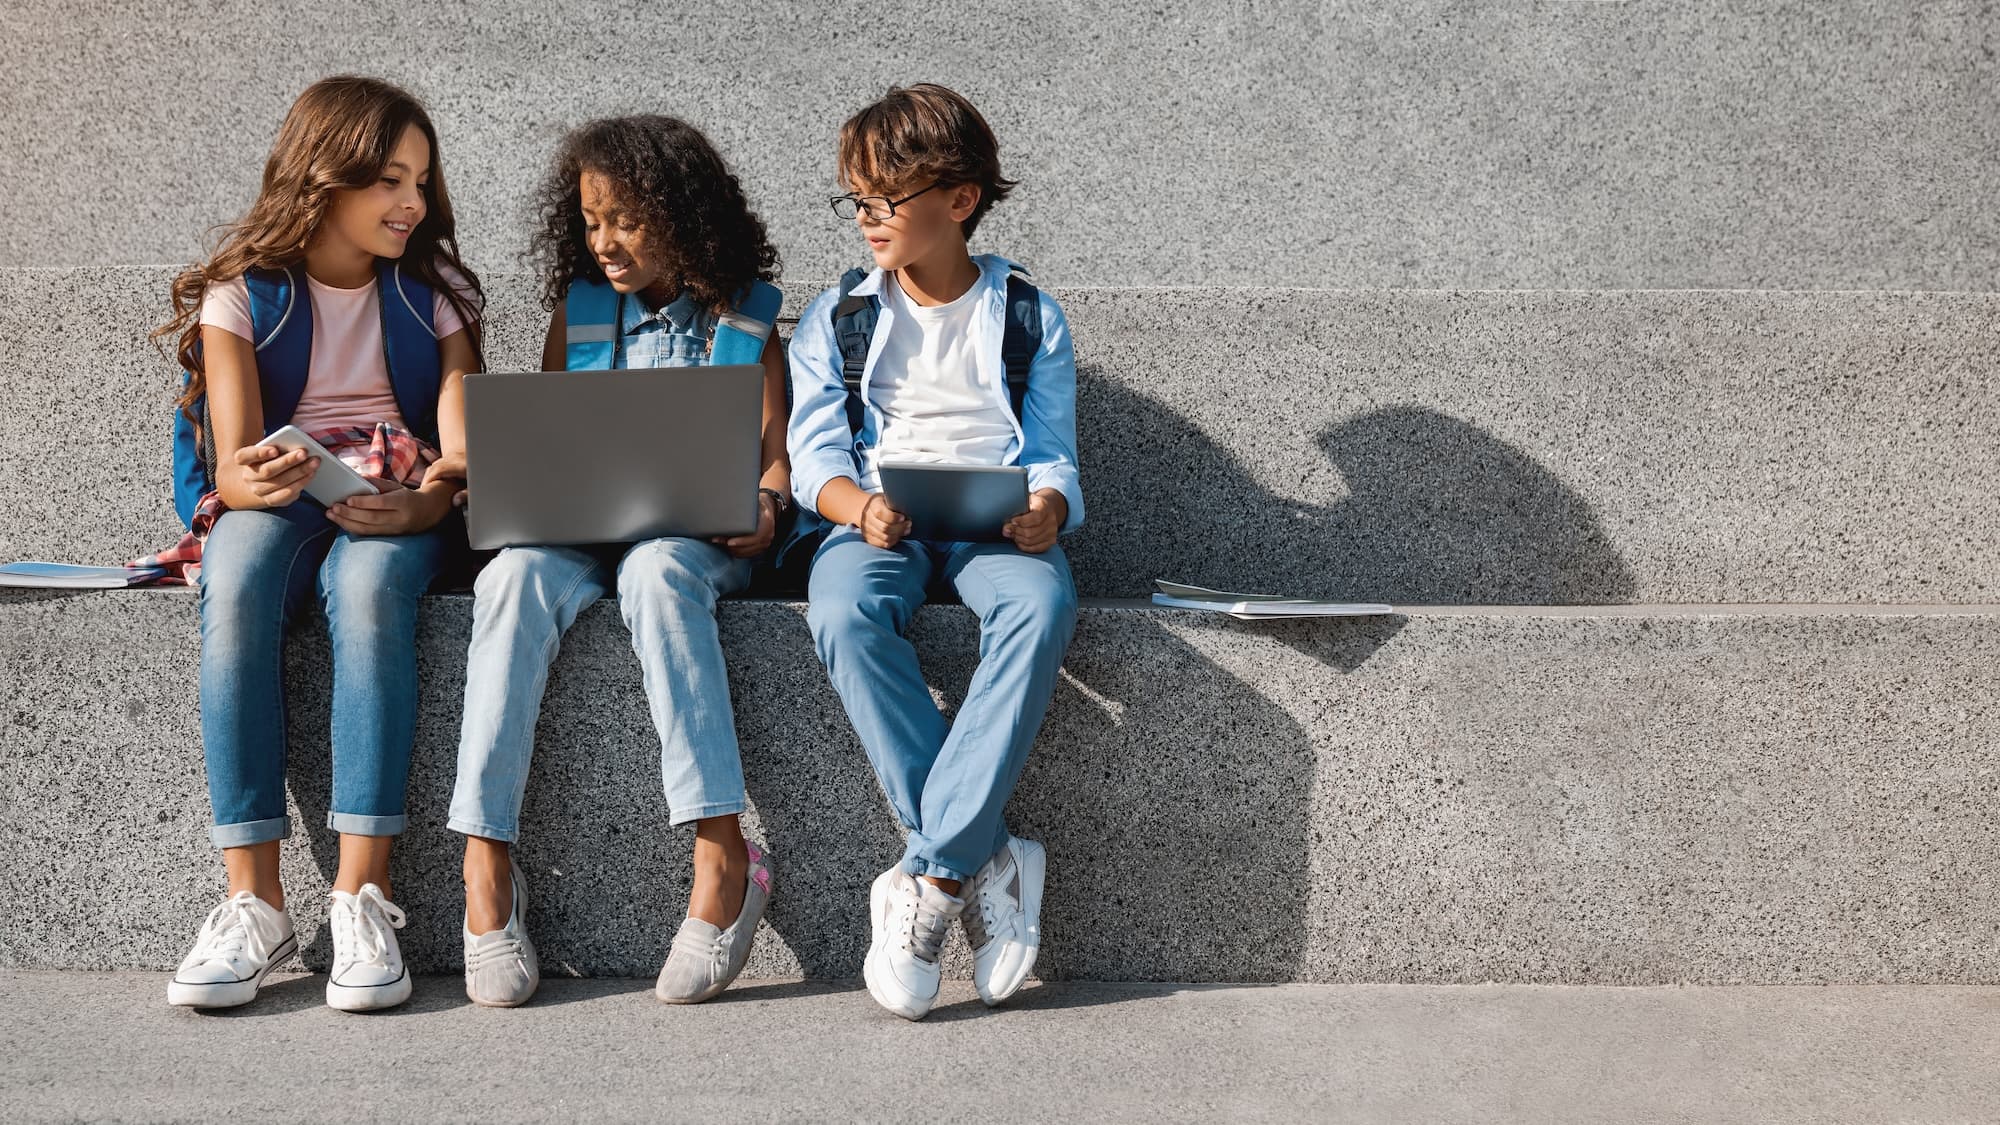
(923,229)
(379,218)
(614,235)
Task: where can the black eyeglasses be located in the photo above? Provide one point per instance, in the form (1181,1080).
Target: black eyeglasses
(880,208)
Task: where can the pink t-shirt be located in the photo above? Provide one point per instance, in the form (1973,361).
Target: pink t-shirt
(347,383)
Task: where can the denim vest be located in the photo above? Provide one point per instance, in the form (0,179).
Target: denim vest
(677,334)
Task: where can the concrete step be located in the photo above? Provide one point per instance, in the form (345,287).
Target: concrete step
(1738,145)
(87,1046)
(1597,796)
(1424,447)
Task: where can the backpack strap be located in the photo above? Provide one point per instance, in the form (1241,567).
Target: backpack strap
(281,326)
(410,346)
(854,320)
(1022,338)
(741,332)
(281,333)
(590,330)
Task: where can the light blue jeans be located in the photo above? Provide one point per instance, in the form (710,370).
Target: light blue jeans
(527,598)
(258,568)
(948,784)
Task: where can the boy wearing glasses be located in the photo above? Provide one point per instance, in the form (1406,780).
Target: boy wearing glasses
(924,168)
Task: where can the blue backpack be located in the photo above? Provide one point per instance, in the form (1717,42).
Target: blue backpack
(593,314)
(281,328)
(854,320)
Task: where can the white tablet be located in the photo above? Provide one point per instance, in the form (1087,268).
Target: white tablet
(333,481)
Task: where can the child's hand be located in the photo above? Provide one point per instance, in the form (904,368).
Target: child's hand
(881,525)
(751,545)
(451,466)
(393,511)
(275,477)
(1034,530)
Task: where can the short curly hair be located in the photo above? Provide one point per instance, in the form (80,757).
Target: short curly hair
(698,224)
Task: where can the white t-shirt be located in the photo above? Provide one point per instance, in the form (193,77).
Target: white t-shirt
(926,386)
(347,382)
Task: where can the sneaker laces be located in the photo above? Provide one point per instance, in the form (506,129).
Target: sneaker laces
(924,927)
(362,922)
(986,905)
(488,949)
(712,949)
(227,930)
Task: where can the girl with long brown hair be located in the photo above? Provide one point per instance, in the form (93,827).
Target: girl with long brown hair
(337,306)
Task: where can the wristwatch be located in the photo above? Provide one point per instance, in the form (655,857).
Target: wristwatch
(780,503)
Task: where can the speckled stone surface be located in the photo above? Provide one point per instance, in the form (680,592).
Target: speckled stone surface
(1423,447)
(1525,145)
(101,1046)
(1456,795)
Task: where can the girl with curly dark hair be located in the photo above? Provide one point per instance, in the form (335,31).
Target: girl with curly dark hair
(650,257)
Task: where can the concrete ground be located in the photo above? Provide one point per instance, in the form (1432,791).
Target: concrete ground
(87,1046)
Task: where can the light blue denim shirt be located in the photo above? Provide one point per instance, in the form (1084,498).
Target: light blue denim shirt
(823,448)
(677,334)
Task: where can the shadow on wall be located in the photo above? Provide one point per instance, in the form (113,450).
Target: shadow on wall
(1437,511)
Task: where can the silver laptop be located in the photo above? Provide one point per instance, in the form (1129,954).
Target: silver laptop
(573,457)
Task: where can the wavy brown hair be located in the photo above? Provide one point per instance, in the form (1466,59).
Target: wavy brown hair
(698,224)
(921,134)
(339,134)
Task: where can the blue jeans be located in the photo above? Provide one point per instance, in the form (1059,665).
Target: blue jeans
(526,599)
(257,569)
(949,785)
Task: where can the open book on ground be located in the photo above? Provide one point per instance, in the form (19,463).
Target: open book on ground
(1259,607)
(63,576)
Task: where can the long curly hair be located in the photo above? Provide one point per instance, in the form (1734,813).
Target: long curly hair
(698,225)
(340,133)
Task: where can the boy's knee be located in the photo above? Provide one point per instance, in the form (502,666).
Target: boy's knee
(1046,613)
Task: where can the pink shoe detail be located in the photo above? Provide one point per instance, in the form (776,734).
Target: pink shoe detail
(760,872)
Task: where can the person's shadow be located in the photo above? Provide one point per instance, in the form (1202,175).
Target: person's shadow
(1436,512)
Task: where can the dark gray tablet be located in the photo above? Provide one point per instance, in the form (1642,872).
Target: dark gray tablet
(570,457)
(956,503)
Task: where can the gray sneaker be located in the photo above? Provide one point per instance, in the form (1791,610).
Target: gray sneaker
(500,967)
(703,959)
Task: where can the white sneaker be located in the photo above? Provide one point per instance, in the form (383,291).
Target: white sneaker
(368,970)
(242,940)
(910,920)
(1003,918)
(500,966)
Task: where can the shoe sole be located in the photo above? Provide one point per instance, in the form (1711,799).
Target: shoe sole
(229,994)
(523,999)
(368,998)
(1031,907)
(871,975)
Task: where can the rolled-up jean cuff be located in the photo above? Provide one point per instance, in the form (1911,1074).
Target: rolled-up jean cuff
(354,824)
(248,832)
(703,812)
(483,831)
(934,870)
